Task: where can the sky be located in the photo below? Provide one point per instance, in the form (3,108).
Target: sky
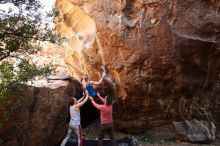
(47,6)
(5,7)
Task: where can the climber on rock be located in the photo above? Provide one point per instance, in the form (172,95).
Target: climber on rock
(74,124)
(105,118)
(88,85)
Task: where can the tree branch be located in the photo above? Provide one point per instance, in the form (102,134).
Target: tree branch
(4,56)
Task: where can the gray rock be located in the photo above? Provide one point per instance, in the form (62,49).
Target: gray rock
(196,131)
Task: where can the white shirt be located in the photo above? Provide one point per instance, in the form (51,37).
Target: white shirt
(74,116)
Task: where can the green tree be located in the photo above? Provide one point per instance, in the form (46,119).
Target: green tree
(20,32)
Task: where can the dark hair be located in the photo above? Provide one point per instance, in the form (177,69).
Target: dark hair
(108,101)
(71,100)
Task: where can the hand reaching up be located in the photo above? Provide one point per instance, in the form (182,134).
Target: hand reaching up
(86,92)
(103,71)
(90,98)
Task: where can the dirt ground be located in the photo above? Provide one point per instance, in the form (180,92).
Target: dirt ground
(90,132)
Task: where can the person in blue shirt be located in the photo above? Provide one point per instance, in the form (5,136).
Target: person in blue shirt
(88,85)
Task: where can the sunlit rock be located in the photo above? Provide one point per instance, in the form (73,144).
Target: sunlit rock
(162,58)
(79,22)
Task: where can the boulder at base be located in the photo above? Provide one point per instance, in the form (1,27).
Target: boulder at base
(195,131)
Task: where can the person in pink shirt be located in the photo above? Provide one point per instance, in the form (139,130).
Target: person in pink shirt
(105,118)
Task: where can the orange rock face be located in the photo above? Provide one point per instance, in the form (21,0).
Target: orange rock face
(162,56)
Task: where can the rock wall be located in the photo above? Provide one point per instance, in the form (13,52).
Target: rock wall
(162,55)
(37,116)
(162,60)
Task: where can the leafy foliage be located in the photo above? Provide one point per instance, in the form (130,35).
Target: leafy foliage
(12,79)
(30,4)
(20,32)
